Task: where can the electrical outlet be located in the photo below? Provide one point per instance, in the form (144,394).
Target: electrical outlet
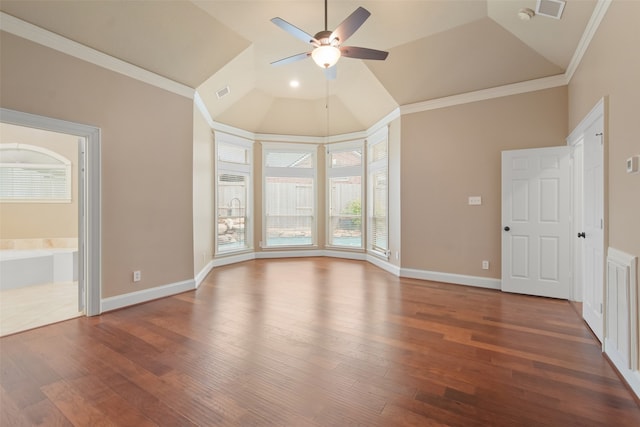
(137,276)
(485,265)
(475,200)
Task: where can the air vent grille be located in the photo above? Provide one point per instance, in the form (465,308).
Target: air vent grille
(550,8)
(223,92)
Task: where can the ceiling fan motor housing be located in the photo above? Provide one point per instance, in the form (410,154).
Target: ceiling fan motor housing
(324,36)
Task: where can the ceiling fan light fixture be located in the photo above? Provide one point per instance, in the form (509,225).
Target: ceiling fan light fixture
(326,56)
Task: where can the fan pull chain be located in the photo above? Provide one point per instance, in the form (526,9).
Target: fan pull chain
(326,104)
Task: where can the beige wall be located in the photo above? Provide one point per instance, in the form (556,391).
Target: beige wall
(147,157)
(611,68)
(452,153)
(41,220)
(203,188)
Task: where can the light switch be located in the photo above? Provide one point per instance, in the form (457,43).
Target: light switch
(475,200)
(633,164)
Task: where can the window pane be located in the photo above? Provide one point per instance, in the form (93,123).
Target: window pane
(232,212)
(289,160)
(345,211)
(233,154)
(35,183)
(32,173)
(289,211)
(345,158)
(378,152)
(379,219)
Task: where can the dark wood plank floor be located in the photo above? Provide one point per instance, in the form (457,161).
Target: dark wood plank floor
(316,342)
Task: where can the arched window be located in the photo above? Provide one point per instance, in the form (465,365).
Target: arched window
(33,174)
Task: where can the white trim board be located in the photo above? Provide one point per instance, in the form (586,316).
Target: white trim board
(383,264)
(592,26)
(44,37)
(458,279)
(232,259)
(62,44)
(146,295)
(486,94)
(91,198)
(203,273)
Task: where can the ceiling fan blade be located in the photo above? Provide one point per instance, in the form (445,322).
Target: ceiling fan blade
(363,53)
(331,73)
(350,25)
(291,59)
(294,31)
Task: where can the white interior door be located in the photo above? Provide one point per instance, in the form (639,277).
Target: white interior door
(536,254)
(593,228)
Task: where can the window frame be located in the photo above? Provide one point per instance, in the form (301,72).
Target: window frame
(232,168)
(290,172)
(373,166)
(63,164)
(346,172)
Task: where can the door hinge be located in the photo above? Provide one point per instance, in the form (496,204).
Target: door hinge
(600,308)
(601,224)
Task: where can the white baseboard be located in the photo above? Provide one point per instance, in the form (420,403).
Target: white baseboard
(232,259)
(120,301)
(145,295)
(359,256)
(383,264)
(631,377)
(203,273)
(458,279)
(289,254)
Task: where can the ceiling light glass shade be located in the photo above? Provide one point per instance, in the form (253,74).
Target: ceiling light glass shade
(325,56)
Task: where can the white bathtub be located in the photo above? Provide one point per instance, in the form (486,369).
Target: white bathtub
(20,268)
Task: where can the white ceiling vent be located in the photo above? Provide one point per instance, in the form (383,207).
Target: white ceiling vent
(223,92)
(550,8)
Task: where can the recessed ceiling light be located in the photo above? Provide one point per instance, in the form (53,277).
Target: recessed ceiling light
(294,83)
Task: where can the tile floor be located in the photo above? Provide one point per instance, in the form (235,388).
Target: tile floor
(38,305)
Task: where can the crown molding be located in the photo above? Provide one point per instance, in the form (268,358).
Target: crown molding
(485,94)
(267,137)
(197,100)
(592,26)
(54,41)
(46,38)
(383,122)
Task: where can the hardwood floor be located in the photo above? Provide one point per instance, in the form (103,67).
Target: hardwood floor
(316,342)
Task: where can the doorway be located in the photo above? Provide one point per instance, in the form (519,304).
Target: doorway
(587,144)
(39,231)
(87,255)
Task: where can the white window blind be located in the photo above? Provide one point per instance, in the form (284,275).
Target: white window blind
(378,192)
(233,193)
(289,195)
(33,174)
(344,183)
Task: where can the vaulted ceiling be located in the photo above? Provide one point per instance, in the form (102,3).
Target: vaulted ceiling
(437,48)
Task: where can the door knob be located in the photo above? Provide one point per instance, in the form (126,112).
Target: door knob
(507,228)
(581,234)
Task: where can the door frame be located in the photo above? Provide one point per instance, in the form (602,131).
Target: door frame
(89,199)
(575,138)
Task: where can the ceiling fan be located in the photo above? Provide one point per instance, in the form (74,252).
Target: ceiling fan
(327,45)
